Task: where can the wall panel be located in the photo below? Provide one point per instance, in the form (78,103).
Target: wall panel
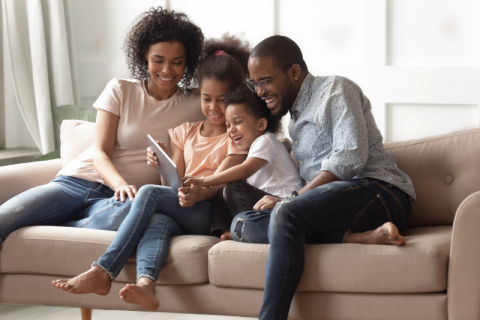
(412,121)
(434,33)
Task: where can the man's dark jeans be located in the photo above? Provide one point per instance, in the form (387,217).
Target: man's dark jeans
(322,215)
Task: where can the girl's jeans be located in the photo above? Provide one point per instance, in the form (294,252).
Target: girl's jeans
(64,201)
(322,215)
(155,217)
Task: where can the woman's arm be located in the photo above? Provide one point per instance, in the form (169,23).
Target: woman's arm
(197,193)
(238,172)
(105,133)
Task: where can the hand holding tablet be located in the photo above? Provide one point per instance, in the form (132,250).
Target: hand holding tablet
(167,167)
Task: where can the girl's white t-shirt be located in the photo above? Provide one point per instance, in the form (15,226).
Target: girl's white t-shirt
(279,176)
(139,114)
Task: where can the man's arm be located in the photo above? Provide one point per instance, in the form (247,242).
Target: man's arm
(350,139)
(323,178)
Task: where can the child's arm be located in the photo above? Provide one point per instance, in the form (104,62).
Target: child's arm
(196,193)
(239,172)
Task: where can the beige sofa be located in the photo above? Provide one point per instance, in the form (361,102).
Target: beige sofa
(435,276)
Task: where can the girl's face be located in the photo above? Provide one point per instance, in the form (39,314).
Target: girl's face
(213,105)
(166,64)
(242,127)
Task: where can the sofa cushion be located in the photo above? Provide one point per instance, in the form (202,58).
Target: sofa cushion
(76,136)
(444,170)
(67,252)
(419,266)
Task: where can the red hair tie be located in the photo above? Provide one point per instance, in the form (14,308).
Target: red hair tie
(220,53)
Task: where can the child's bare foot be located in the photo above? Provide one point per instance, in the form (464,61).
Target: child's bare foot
(142,294)
(96,280)
(226,236)
(386,234)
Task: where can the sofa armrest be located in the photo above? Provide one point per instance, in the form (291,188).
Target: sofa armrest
(464,268)
(20,177)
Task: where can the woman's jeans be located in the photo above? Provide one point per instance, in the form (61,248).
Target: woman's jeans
(64,201)
(322,215)
(155,217)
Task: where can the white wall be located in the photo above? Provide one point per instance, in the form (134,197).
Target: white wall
(418,61)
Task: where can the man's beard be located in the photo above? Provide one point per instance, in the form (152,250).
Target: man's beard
(288,99)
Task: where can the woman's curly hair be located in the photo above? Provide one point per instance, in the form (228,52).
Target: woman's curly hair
(231,67)
(159,25)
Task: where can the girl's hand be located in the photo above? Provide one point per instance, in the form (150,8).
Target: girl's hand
(188,196)
(152,160)
(267,202)
(123,190)
(191,180)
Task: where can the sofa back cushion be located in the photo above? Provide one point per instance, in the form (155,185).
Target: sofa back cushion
(76,136)
(445,169)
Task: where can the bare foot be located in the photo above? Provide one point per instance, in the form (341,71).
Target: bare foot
(142,294)
(226,236)
(96,280)
(386,234)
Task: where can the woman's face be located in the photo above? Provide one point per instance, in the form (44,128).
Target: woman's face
(213,105)
(166,64)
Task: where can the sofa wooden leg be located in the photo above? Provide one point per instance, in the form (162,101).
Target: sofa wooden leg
(86,313)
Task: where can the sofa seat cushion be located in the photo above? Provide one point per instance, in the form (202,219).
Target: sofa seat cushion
(419,266)
(67,252)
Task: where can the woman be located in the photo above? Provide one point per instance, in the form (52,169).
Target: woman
(96,189)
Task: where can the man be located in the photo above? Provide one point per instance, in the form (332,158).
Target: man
(354,191)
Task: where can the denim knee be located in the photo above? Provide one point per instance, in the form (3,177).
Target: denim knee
(282,216)
(251,226)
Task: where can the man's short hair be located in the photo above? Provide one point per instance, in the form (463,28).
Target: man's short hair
(283,50)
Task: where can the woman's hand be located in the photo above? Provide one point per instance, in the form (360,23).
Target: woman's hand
(191,180)
(152,160)
(267,202)
(125,190)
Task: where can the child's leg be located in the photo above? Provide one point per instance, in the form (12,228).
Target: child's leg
(152,252)
(125,242)
(221,215)
(241,196)
(153,246)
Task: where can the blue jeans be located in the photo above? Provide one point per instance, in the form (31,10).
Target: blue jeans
(322,215)
(154,218)
(64,201)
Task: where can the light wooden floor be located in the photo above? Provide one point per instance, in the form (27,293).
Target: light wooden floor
(10,312)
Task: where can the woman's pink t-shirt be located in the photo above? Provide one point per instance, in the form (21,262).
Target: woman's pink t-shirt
(202,155)
(139,114)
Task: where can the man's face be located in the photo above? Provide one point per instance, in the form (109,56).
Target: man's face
(281,92)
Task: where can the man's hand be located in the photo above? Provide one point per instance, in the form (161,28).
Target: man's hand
(188,196)
(267,202)
(191,180)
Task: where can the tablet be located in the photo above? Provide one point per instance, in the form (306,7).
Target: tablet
(167,167)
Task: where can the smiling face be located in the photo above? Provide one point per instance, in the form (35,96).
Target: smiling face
(213,105)
(282,91)
(166,65)
(242,127)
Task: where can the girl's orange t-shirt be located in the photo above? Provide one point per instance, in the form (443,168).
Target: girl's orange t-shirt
(202,155)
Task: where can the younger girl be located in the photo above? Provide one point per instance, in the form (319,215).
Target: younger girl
(268,169)
(159,213)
